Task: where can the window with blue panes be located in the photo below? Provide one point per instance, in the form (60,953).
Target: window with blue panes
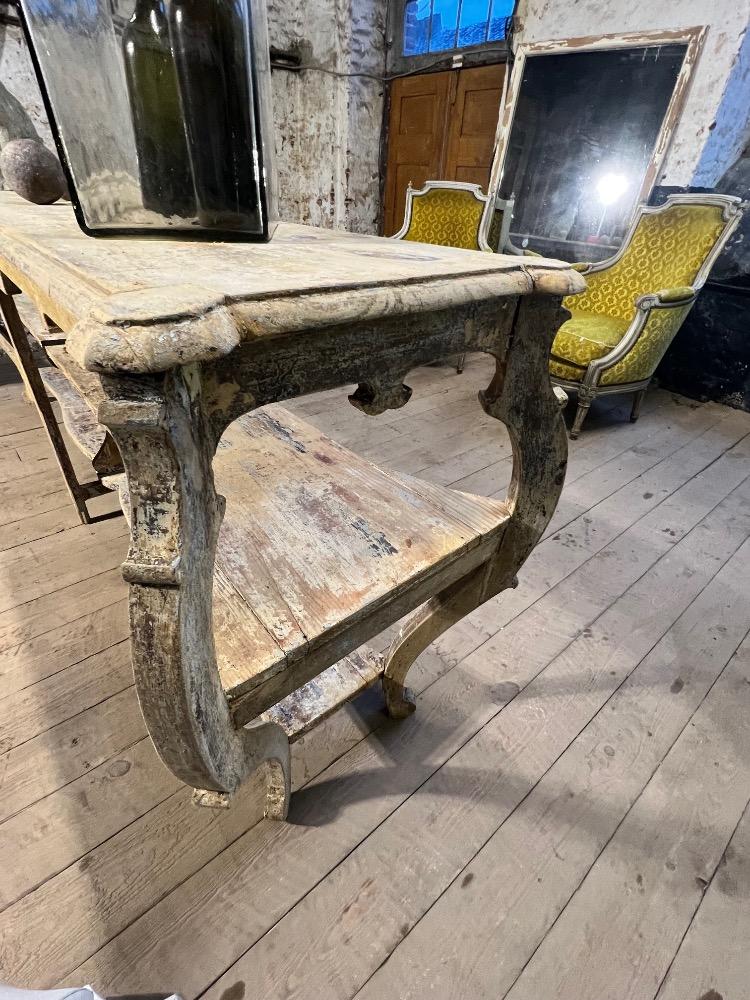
(445,25)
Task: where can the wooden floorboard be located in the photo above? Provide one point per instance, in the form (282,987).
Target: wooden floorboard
(712,960)
(558,731)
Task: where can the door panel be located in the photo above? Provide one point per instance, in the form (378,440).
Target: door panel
(419,106)
(473,122)
(442,127)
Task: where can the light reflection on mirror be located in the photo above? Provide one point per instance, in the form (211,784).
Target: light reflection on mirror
(583,133)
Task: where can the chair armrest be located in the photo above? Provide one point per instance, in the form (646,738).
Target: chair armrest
(657,319)
(667,297)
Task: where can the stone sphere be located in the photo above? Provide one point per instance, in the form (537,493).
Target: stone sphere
(32,171)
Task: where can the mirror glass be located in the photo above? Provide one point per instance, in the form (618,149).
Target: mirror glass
(582,136)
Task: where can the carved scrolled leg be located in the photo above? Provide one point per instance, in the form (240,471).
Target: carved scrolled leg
(521,396)
(167,449)
(420,630)
(585,399)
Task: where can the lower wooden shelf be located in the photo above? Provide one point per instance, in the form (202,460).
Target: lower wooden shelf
(320,550)
(78,419)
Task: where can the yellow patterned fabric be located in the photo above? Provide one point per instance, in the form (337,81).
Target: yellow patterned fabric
(666,252)
(559,369)
(640,362)
(446,217)
(587,336)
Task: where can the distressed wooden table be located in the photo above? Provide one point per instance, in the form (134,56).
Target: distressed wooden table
(262,554)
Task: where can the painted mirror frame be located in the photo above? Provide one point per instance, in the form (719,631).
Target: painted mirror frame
(689,40)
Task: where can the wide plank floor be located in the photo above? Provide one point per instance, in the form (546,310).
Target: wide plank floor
(565,816)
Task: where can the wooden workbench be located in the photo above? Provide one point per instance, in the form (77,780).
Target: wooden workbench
(262,554)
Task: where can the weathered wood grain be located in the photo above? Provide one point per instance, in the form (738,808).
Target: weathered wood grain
(290,487)
(360,789)
(457,809)
(38,707)
(47,654)
(126,306)
(528,870)
(672,842)
(712,958)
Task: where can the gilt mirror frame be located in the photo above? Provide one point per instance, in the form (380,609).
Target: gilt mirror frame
(693,38)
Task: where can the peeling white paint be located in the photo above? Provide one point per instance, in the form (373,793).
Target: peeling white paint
(731,133)
(727,22)
(328,128)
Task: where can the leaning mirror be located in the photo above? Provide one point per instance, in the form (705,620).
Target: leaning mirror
(585,131)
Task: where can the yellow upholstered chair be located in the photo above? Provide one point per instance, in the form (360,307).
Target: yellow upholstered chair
(448,214)
(635,302)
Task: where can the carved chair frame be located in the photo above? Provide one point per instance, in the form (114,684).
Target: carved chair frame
(474,189)
(589,387)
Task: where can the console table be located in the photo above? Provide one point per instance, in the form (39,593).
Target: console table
(262,554)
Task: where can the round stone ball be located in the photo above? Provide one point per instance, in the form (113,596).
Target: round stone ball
(32,171)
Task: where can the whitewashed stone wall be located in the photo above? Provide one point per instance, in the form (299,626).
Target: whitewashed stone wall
(328,128)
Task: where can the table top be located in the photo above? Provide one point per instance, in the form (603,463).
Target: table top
(147,305)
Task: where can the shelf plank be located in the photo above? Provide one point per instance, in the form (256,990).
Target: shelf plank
(44,333)
(316,542)
(321,696)
(77,416)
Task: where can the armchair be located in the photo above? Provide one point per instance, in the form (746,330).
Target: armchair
(446,213)
(635,302)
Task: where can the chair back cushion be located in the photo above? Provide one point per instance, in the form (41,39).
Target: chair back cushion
(447,217)
(667,250)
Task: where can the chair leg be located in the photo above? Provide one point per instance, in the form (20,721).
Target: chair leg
(460,361)
(637,401)
(585,399)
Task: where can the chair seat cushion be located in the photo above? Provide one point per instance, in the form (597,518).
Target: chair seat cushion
(587,336)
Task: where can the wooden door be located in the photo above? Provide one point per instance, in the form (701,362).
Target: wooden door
(473,123)
(441,127)
(415,145)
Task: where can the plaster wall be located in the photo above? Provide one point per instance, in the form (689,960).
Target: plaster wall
(720,81)
(327,127)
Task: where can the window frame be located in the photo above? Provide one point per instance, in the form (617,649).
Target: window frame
(472,55)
